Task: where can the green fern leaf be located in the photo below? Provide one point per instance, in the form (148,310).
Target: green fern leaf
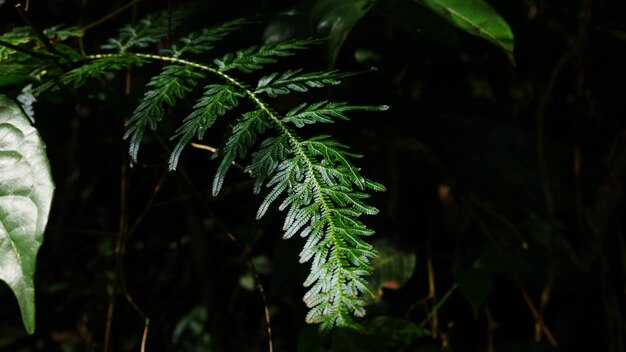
(265,161)
(317,182)
(149,30)
(296,81)
(255,57)
(202,41)
(244,135)
(170,85)
(325,112)
(217,99)
(96,68)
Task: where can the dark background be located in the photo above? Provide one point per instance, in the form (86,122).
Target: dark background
(458,152)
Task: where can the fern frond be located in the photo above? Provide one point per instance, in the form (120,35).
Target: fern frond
(324,111)
(318,181)
(96,68)
(255,57)
(296,81)
(148,30)
(202,41)
(170,85)
(216,100)
(61,33)
(314,181)
(243,136)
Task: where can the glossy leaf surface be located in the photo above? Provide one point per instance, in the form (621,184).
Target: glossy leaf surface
(476,17)
(26,190)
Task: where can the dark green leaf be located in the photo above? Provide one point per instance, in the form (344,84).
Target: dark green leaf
(393,267)
(26,190)
(476,17)
(335,19)
(475,285)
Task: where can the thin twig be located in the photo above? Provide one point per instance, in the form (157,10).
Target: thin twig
(146,319)
(214,151)
(245,252)
(109,16)
(438,305)
(28,51)
(38,32)
(259,287)
(168,38)
(119,255)
(500,218)
(546,331)
(432,293)
(148,206)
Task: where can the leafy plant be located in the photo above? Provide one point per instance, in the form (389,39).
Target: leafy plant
(336,20)
(314,179)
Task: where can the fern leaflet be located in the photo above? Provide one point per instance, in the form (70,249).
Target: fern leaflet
(243,136)
(148,30)
(296,81)
(202,41)
(324,111)
(96,68)
(217,99)
(171,84)
(254,58)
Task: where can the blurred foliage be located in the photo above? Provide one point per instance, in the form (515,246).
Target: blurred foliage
(503,181)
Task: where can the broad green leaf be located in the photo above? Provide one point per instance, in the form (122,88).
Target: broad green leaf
(26,190)
(419,21)
(392,268)
(336,19)
(476,17)
(475,285)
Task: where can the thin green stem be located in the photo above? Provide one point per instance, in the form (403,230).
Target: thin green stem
(438,305)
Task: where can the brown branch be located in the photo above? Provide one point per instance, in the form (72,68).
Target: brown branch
(533,309)
(109,16)
(120,245)
(38,32)
(214,151)
(28,51)
(245,251)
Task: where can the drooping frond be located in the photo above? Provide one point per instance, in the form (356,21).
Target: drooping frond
(202,41)
(255,57)
(217,99)
(313,180)
(171,84)
(317,183)
(295,81)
